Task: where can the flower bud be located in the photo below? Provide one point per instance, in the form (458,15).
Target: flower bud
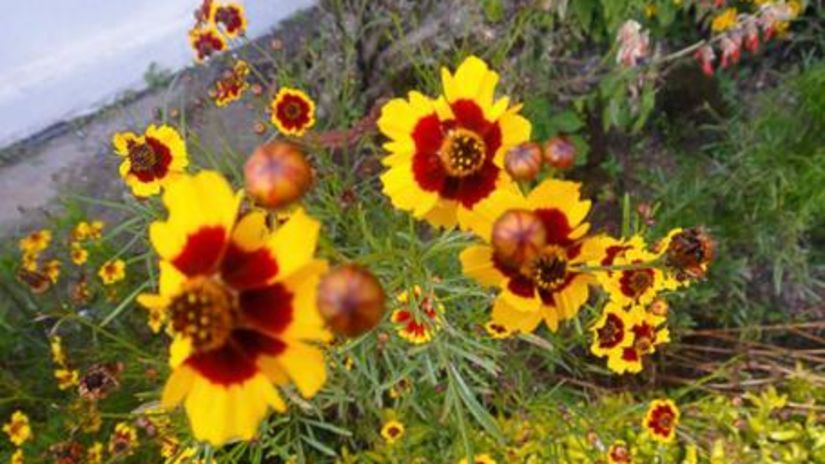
(523,161)
(559,153)
(518,236)
(351,300)
(277,174)
(658,307)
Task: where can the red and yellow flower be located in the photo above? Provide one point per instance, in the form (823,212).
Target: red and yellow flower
(293,112)
(51,269)
(612,332)
(497,331)
(419,317)
(619,453)
(124,440)
(17,457)
(231,87)
(151,160)
(205,41)
(230,17)
(661,420)
(392,431)
(94,454)
(112,271)
(479,459)
(18,428)
(641,278)
(66,378)
(547,285)
(446,155)
(645,334)
(78,254)
(240,302)
(35,242)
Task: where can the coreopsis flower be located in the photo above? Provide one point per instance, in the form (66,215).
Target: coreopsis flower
(94,454)
(18,428)
(392,431)
(640,281)
(646,333)
(205,41)
(661,420)
(99,380)
(66,378)
(633,44)
(611,332)
(230,18)
(293,112)
(81,231)
(151,160)
(400,388)
(112,271)
(705,56)
(231,87)
(687,253)
(78,254)
(96,229)
(56,345)
(204,12)
(17,457)
(725,20)
(36,241)
(542,282)
(51,269)
(479,459)
(419,317)
(28,262)
(619,453)
(496,330)
(447,154)
(124,440)
(240,300)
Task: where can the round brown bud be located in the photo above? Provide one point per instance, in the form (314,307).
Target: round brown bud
(351,300)
(256,89)
(277,174)
(523,161)
(518,237)
(559,153)
(658,307)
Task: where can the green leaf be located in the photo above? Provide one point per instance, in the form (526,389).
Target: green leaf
(493,10)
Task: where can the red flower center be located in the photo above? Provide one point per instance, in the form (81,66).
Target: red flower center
(142,157)
(462,152)
(230,17)
(636,282)
(549,269)
(393,431)
(205,312)
(612,333)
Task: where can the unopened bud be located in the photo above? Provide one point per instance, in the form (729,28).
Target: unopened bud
(559,153)
(277,174)
(518,236)
(351,300)
(523,161)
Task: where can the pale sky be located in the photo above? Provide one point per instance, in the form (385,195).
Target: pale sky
(61,58)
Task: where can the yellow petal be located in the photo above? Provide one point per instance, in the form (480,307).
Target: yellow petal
(307,323)
(515,320)
(177,387)
(477,262)
(562,195)
(444,213)
(404,192)
(293,244)
(305,366)
(250,232)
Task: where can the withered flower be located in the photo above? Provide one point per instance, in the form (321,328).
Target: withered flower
(99,380)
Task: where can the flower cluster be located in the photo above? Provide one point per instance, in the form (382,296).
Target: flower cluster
(66,376)
(231,86)
(419,316)
(215,25)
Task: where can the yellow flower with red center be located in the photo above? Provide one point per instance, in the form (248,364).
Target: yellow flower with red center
(479,459)
(112,271)
(205,41)
(35,242)
(661,420)
(619,453)
(230,18)
(645,334)
(124,440)
(29,262)
(641,278)
(96,229)
(66,378)
(78,254)
(151,160)
(51,269)
(547,285)
(94,454)
(17,457)
(81,231)
(392,431)
(611,333)
(419,318)
(293,112)
(497,331)
(18,428)
(446,155)
(231,87)
(724,20)
(241,304)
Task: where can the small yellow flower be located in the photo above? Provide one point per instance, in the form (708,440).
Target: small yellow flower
(123,441)
(17,428)
(78,254)
(81,231)
(66,378)
(419,317)
(96,229)
(94,455)
(112,271)
(479,459)
(36,241)
(58,356)
(661,420)
(724,21)
(17,457)
(29,261)
(52,270)
(392,431)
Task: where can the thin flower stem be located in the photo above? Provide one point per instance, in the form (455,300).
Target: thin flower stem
(620,267)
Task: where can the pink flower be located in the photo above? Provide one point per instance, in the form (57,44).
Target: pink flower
(751,36)
(705,56)
(731,48)
(633,44)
